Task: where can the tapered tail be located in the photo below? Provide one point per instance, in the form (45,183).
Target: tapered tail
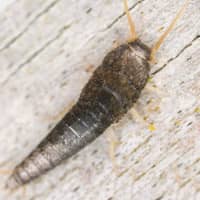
(78,128)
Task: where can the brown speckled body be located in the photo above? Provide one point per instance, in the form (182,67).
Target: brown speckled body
(112,90)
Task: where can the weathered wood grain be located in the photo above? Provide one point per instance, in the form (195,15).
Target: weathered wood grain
(46,48)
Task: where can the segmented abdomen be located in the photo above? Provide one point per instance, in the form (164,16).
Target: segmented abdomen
(78,128)
(108,95)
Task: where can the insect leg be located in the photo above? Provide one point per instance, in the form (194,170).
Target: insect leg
(5,171)
(113,143)
(154,89)
(130,22)
(134,113)
(165,34)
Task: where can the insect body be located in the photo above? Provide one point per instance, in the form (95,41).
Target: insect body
(112,90)
(109,94)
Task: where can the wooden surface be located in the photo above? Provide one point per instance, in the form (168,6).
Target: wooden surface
(48,49)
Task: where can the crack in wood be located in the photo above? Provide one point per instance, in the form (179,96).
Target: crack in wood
(37,52)
(122,15)
(26,28)
(171,154)
(178,54)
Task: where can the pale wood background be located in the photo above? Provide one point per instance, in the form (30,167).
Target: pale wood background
(47,51)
